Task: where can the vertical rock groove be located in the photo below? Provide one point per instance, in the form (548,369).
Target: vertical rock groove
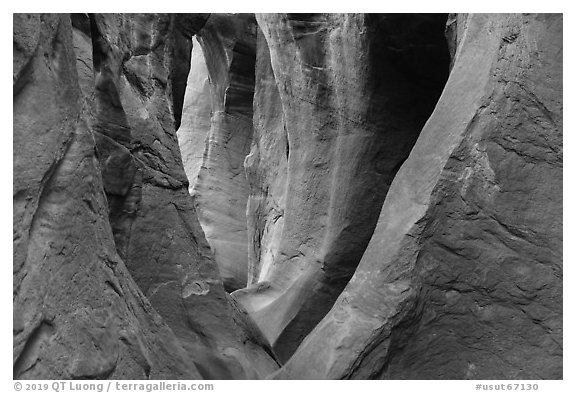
(124,67)
(219,182)
(462,277)
(287,196)
(353,98)
(68,322)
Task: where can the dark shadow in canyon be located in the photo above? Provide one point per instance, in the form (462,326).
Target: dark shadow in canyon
(409,64)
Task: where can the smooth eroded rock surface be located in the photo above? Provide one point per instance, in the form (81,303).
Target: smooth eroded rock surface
(462,278)
(158,232)
(126,69)
(219,99)
(337,111)
(287,196)
(77,312)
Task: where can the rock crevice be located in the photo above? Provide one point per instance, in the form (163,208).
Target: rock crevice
(287,196)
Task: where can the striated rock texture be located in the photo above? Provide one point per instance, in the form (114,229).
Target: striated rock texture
(156,228)
(77,311)
(338,106)
(221,115)
(381,194)
(128,68)
(463,275)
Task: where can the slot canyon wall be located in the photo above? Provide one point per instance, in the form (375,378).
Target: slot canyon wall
(216,136)
(287,196)
(139,225)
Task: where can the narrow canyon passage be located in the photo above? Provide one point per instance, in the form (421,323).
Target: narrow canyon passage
(216,134)
(125,82)
(462,276)
(287,196)
(325,145)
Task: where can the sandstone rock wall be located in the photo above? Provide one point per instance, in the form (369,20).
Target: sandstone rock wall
(336,114)
(196,116)
(375,217)
(219,182)
(77,311)
(166,250)
(127,73)
(463,275)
